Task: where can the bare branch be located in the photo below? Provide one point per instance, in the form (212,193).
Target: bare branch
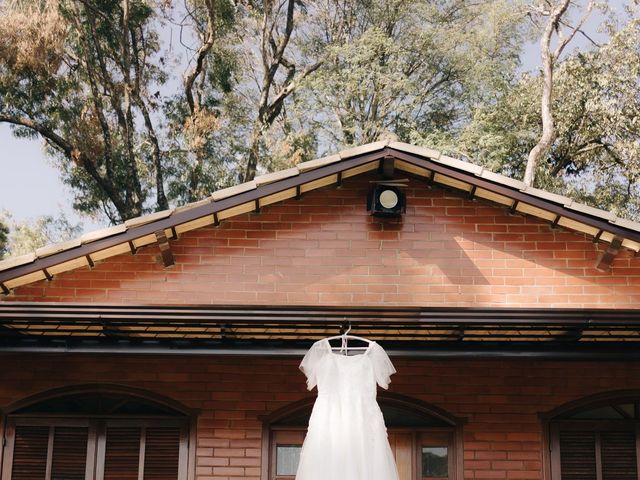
(560,47)
(203,51)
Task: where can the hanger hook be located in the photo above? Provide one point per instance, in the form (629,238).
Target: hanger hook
(345,328)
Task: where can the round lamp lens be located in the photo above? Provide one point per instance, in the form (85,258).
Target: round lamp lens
(388,199)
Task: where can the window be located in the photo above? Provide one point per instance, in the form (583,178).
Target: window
(425,442)
(598,441)
(96,436)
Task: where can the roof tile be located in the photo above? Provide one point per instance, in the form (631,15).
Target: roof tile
(362,149)
(275,176)
(136,222)
(58,247)
(421,151)
(624,223)
(545,195)
(595,212)
(502,179)
(317,163)
(17,261)
(102,233)
(192,205)
(460,165)
(235,190)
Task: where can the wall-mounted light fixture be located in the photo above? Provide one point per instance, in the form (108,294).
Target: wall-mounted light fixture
(386,199)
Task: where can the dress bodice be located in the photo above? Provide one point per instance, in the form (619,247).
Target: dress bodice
(346,375)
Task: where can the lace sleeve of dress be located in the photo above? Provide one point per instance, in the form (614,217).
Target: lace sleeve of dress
(309,363)
(382,366)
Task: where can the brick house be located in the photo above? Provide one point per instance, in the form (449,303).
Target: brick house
(168,347)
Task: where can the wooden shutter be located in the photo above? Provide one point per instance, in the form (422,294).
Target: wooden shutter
(30,447)
(618,452)
(122,453)
(69,457)
(162,453)
(578,455)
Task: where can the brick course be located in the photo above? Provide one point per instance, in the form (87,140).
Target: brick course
(501,400)
(326,249)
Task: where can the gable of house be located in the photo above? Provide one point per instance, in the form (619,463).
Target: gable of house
(303,236)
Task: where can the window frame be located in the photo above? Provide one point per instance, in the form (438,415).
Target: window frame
(558,420)
(454,430)
(185,419)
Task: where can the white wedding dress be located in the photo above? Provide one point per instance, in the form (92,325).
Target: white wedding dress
(347,437)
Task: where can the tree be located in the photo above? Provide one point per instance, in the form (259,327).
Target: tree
(79,75)
(554,11)
(25,237)
(4,241)
(198,116)
(412,68)
(595,156)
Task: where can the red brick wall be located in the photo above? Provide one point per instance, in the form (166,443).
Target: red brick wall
(326,249)
(500,399)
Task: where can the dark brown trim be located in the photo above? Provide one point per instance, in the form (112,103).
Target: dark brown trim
(101,388)
(591,401)
(472,193)
(388,167)
(132,247)
(178,218)
(431,179)
(257,314)
(597,236)
(386,397)
(519,196)
(607,257)
(455,426)
(165,249)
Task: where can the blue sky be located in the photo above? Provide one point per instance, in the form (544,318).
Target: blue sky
(30,186)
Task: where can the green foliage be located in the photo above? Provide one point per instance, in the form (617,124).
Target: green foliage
(4,239)
(410,67)
(135,126)
(596,155)
(19,238)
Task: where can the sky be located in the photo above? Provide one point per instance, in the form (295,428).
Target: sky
(30,186)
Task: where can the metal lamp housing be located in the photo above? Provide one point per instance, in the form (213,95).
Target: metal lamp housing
(386,201)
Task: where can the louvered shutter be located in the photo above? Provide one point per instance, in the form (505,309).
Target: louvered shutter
(31,444)
(618,451)
(578,455)
(162,453)
(69,458)
(122,453)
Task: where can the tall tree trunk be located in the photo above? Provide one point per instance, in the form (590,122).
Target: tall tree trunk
(549,60)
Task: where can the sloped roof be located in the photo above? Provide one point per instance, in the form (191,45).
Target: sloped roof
(423,163)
